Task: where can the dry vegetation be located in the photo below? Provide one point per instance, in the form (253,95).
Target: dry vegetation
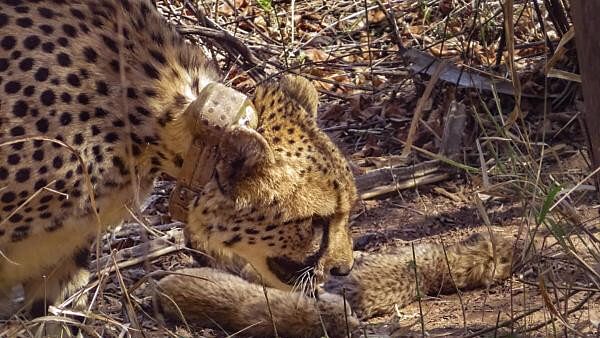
(479,98)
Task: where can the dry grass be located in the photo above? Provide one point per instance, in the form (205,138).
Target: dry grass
(518,151)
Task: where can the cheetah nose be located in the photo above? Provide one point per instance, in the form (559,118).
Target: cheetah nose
(343,270)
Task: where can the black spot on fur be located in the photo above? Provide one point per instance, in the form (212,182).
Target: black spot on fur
(236,238)
(20,233)
(57,163)
(102,88)
(84,116)
(3,64)
(3,20)
(150,71)
(13,159)
(48,98)
(251,231)
(120,164)
(48,47)
(90,54)
(39,184)
(20,108)
(111,137)
(65,97)
(158,56)
(114,65)
(22,9)
(8,42)
(131,93)
(29,91)
(99,112)
(3,173)
(42,125)
(22,175)
(38,155)
(12,87)
(142,111)
(8,197)
(63,41)
(17,131)
(46,12)
(42,74)
(83,98)
(73,80)
(24,22)
(134,120)
(69,30)
(77,14)
(47,29)
(31,42)
(26,64)
(64,59)
(110,43)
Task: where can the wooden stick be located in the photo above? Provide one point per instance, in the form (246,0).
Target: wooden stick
(419,109)
(411,183)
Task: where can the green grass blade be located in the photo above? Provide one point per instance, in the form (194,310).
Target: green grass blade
(548,202)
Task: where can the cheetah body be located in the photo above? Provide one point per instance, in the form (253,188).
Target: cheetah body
(93,98)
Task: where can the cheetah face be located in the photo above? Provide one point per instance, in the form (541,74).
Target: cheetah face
(281,195)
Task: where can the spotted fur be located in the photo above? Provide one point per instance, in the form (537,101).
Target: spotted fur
(378,285)
(92,102)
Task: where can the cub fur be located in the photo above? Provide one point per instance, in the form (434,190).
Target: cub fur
(377,283)
(204,297)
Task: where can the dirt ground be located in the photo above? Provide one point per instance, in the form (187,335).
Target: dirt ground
(422,216)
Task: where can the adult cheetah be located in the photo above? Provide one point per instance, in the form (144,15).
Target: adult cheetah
(97,98)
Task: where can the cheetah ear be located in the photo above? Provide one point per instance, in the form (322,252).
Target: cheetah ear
(302,91)
(243,153)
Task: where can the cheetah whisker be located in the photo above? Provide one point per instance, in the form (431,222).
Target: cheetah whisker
(308,282)
(299,278)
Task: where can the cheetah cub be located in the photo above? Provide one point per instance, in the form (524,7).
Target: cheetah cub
(377,283)
(206,297)
(99,97)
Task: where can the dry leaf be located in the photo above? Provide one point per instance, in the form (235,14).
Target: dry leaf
(316,55)
(445,7)
(376,16)
(417,30)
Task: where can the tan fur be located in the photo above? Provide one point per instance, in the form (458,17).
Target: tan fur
(111,81)
(377,283)
(208,297)
(380,281)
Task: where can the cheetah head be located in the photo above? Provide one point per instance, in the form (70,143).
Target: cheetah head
(281,194)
